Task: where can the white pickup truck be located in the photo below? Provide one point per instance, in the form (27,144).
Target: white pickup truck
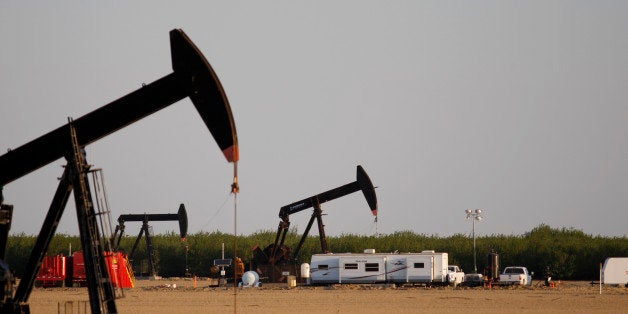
(515,275)
(455,275)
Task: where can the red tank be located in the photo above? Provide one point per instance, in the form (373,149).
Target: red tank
(79,278)
(52,272)
(57,271)
(119,271)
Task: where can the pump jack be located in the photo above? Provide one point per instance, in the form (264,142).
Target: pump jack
(275,257)
(192,77)
(180,216)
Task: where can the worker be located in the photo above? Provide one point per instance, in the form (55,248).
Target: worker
(238,268)
(548,276)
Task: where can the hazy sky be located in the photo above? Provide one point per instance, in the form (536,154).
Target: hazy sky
(516,107)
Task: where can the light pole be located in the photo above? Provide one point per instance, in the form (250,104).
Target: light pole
(474,215)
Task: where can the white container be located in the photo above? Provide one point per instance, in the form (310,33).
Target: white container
(615,271)
(292,281)
(305,270)
(250,279)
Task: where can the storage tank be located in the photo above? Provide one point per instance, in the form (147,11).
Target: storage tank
(492,266)
(250,279)
(305,272)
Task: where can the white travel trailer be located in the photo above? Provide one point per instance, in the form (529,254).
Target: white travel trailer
(427,267)
(615,271)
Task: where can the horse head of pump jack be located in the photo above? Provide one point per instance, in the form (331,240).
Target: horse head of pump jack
(192,77)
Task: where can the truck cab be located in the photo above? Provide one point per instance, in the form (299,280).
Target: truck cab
(515,275)
(455,275)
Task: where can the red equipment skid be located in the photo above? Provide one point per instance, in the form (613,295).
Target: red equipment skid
(52,272)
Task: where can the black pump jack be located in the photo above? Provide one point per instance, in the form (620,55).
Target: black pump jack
(192,77)
(181,216)
(277,251)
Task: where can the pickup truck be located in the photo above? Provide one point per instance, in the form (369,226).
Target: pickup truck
(455,275)
(515,275)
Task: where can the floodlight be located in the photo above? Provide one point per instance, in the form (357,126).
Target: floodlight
(474,215)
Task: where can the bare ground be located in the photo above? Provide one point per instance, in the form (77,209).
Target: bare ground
(160,297)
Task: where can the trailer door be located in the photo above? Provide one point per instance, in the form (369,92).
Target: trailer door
(396,269)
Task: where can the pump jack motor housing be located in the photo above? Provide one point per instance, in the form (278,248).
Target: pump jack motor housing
(192,77)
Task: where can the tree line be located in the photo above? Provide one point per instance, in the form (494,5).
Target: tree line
(569,253)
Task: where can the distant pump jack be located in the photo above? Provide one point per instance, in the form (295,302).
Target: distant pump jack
(278,252)
(181,216)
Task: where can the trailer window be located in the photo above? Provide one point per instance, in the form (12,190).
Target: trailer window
(371,267)
(323,267)
(419,265)
(351,266)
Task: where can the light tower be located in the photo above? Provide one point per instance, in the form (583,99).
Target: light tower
(474,215)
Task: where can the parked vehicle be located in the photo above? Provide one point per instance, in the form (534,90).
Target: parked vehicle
(455,275)
(473,280)
(615,271)
(515,275)
(427,267)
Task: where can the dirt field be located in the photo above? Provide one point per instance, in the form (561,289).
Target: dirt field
(160,297)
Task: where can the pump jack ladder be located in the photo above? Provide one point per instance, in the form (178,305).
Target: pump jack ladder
(101,293)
